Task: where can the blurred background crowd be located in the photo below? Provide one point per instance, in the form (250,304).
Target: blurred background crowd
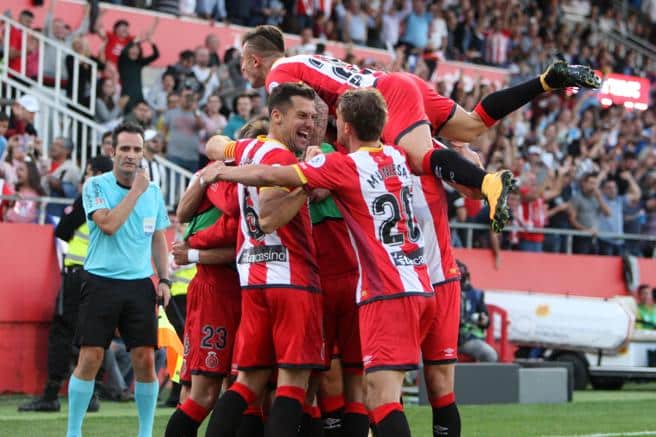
(581,165)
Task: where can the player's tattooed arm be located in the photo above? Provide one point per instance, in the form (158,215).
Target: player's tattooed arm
(320,122)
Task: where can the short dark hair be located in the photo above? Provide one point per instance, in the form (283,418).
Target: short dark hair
(139,102)
(120,22)
(128,127)
(265,40)
(281,96)
(101,164)
(105,135)
(587,176)
(27,13)
(187,54)
(365,110)
(236,99)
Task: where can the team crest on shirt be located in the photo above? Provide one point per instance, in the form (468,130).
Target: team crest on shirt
(318,161)
(211,360)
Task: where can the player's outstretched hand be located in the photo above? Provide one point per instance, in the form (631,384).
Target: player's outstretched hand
(212,172)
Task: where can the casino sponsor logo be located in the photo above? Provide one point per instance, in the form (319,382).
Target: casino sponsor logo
(211,360)
(318,161)
(414,258)
(263,254)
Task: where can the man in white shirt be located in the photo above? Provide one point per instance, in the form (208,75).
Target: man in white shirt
(205,74)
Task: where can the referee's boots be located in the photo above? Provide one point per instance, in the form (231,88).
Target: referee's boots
(496,189)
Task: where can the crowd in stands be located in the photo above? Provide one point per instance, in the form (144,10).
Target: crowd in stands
(581,166)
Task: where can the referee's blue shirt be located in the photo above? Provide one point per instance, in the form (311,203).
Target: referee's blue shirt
(127,253)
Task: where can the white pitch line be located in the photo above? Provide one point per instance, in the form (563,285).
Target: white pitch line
(610,434)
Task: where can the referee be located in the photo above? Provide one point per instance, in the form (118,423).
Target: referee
(127,218)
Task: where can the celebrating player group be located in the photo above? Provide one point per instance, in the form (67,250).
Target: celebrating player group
(345,274)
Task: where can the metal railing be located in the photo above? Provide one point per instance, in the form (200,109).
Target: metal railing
(42,202)
(56,93)
(55,119)
(569,234)
(174,182)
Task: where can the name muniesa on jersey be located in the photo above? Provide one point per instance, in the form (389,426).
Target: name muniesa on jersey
(285,257)
(373,189)
(329,77)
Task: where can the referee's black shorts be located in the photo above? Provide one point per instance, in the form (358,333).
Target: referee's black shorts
(107,304)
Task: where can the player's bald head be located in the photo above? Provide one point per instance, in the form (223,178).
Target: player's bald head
(265,40)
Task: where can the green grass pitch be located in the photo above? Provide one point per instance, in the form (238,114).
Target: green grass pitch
(629,412)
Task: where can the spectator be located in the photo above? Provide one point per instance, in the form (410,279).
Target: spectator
(496,44)
(119,38)
(109,107)
(474,320)
(356,23)
(585,207)
(84,74)
(153,147)
(172,102)
(213,9)
(238,118)
(63,176)
(205,74)
(130,64)
(58,30)
(614,222)
(107,145)
(157,95)
(16,154)
(390,15)
(558,209)
(214,122)
(417,24)
(140,115)
(22,116)
(182,127)
(531,215)
(646,317)
(28,186)
(25,18)
(307,46)
(212,46)
(4,127)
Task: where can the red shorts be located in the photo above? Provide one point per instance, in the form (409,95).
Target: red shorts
(441,344)
(392,330)
(410,103)
(281,327)
(210,328)
(340,315)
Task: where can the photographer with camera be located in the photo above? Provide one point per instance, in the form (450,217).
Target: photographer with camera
(474,320)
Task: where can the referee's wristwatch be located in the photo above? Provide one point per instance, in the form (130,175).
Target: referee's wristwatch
(165,281)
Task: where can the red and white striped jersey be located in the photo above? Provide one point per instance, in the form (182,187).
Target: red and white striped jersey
(285,257)
(430,205)
(329,77)
(373,190)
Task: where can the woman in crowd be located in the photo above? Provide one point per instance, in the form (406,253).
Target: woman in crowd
(28,184)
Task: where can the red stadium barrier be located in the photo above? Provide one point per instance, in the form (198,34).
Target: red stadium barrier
(31,280)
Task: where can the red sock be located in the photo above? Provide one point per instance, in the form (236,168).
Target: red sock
(292,392)
(443,401)
(356,408)
(328,404)
(244,392)
(194,410)
(381,412)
